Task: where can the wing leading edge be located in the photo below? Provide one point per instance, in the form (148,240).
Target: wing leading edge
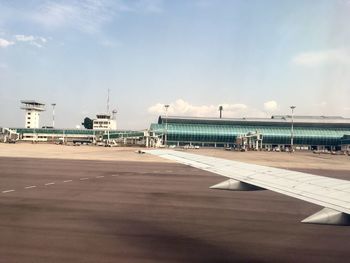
(330,193)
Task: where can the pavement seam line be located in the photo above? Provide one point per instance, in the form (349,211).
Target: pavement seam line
(52,183)
(29,187)
(7,191)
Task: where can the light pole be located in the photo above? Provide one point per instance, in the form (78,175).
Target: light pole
(53,114)
(292,129)
(108,137)
(221,109)
(166,106)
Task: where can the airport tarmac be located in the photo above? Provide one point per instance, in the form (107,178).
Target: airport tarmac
(131,210)
(53,151)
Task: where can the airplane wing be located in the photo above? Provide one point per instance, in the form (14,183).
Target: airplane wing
(330,193)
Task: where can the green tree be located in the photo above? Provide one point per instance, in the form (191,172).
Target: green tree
(88,123)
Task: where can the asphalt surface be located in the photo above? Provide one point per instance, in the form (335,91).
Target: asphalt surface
(97,211)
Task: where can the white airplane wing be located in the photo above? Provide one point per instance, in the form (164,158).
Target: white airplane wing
(330,193)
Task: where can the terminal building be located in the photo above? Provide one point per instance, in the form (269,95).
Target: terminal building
(57,135)
(81,136)
(103,124)
(309,132)
(275,133)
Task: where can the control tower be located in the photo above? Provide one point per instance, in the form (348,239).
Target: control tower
(104,122)
(33,109)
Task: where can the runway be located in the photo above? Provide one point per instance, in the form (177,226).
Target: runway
(57,210)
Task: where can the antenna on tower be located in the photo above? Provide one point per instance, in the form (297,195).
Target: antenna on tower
(108,102)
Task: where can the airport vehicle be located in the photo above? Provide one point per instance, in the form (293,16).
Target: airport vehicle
(333,194)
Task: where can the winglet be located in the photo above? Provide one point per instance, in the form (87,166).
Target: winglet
(234,185)
(328,216)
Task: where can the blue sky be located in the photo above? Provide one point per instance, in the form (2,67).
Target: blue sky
(256,58)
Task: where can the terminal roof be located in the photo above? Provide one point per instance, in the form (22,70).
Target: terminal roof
(274,120)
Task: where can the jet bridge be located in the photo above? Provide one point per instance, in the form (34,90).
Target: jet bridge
(250,141)
(7,135)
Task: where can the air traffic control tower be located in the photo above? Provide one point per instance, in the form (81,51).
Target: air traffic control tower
(33,109)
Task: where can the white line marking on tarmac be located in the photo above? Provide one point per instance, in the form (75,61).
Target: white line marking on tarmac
(67,181)
(114,174)
(49,183)
(29,187)
(7,191)
(84,178)
(100,176)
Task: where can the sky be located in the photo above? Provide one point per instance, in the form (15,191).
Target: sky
(255,58)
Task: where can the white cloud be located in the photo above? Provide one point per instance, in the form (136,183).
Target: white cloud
(270,106)
(5,43)
(32,40)
(85,15)
(184,108)
(24,38)
(54,15)
(89,15)
(315,58)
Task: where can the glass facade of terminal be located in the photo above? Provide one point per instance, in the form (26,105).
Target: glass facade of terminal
(182,133)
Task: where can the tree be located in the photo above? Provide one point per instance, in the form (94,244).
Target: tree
(88,123)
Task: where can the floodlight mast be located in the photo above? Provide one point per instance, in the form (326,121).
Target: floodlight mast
(166,106)
(108,101)
(221,108)
(53,114)
(292,130)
